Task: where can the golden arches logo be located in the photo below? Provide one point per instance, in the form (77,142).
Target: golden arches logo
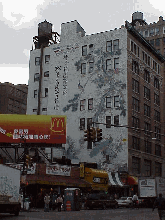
(57,125)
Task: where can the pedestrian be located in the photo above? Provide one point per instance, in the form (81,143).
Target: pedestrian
(54,200)
(135,200)
(46,200)
(160,204)
(59,202)
(50,203)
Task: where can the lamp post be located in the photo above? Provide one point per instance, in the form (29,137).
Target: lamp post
(24,162)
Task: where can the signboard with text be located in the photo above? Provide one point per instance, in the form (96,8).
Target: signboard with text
(50,129)
(57,169)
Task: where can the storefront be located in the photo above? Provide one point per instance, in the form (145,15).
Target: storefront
(118,184)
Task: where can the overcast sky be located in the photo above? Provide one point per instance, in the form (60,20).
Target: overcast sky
(19,23)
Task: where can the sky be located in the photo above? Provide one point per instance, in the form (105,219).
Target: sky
(19,24)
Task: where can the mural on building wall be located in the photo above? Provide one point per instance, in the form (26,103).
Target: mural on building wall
(74,104)
(72,151)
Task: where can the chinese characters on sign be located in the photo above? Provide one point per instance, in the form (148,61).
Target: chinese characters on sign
(23,133)
(62,170)
(56,90)
(30,170)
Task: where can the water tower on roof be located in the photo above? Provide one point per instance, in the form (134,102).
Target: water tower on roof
(45,35)
(138,16)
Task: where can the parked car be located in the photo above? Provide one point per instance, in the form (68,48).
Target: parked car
(125,202)
(98,200)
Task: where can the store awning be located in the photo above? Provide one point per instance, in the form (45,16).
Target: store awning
(57,180)
(132,180)
(114,179)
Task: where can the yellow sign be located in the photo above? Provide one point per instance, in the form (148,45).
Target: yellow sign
(82,170)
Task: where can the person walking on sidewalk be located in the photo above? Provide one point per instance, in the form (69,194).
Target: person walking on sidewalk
(160,204)
(46,200)
(135,201)
(59,202)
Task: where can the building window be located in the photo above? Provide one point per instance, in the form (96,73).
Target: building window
(163,30)
(132,46)
(145,58)
(89,122)
(107,157)
(158,150)
(108,102)
(156,83)
(156,99)
(147,167)
(146,76)
(152,32)
(44,109)
(84,50)
(83,68)
(135,67)
(116,63)
(82,123)
(108,64)
(147,146)
(35,93)
(156,30)
(136,165)
(135,49)
(146,93)
(37,61)
(36,77)
(152,42)
(109,46)
(157,116)
(91,66)
(146,33)
(154,65)
(116,120)
(82,105)
(158,169)
(116,45)
(90,104)
(135,122)
(157,133)
(34,110)
(135,104)
(148,61)
(135,85)
(108,121)
(46,74)
(46,92)
(116,101)
(91,46)
(89,145)
(47,58)
(147,128)
(147,110)
(135,143)
(157,42)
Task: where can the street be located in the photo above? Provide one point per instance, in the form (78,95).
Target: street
(116,214)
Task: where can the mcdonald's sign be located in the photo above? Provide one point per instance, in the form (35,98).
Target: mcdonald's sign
(49,129)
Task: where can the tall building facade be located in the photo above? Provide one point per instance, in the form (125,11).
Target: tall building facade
(154,33)
(102,79)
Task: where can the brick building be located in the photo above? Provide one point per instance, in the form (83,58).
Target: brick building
(13,98)
(113,77)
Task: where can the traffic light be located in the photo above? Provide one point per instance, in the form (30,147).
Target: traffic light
(99,134)
(93,134)
(27,160)
(87,135)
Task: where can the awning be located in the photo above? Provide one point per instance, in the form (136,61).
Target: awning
(114,179)
(57,180)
